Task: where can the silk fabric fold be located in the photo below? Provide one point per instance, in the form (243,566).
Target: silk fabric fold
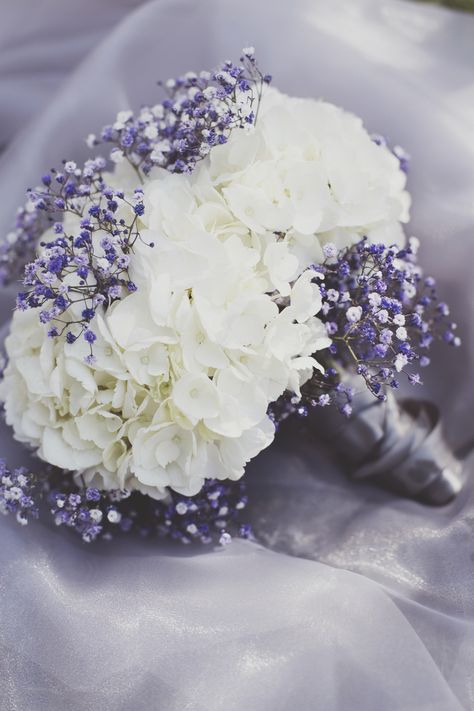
(352,598)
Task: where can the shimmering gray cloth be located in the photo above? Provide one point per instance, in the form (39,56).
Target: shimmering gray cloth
(355,599)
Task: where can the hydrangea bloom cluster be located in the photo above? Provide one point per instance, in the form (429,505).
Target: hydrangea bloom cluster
(172,397)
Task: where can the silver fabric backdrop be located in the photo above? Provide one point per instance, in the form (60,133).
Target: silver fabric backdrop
(353,599)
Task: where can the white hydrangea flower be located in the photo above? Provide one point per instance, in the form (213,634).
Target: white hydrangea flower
(225,318)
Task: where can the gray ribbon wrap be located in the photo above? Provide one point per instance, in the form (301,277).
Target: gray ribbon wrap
(398,445)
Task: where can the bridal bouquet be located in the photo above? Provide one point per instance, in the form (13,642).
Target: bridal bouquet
(232,259)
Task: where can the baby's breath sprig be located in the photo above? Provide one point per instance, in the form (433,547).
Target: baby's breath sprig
(214,516)
(382,315)
(86,267)
(19,493)
(199,112)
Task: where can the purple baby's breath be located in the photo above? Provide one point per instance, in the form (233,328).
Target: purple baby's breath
(381,314)
(211,517)
(391,317)
(73,275)
(18,493)
(199,112)
(204,518)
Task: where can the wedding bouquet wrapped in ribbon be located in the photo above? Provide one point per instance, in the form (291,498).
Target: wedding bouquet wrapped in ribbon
(227,258)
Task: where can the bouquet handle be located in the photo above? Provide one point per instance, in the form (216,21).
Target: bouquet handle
(398,445)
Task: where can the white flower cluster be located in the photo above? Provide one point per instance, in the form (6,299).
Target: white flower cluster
(225,316)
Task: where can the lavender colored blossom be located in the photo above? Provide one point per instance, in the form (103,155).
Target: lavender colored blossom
(203,518)
(381,314)
(199,112)
(73,276)
(390,319)
(18,493)
(211,517)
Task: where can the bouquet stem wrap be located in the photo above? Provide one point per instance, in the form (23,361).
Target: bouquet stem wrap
(398,445)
